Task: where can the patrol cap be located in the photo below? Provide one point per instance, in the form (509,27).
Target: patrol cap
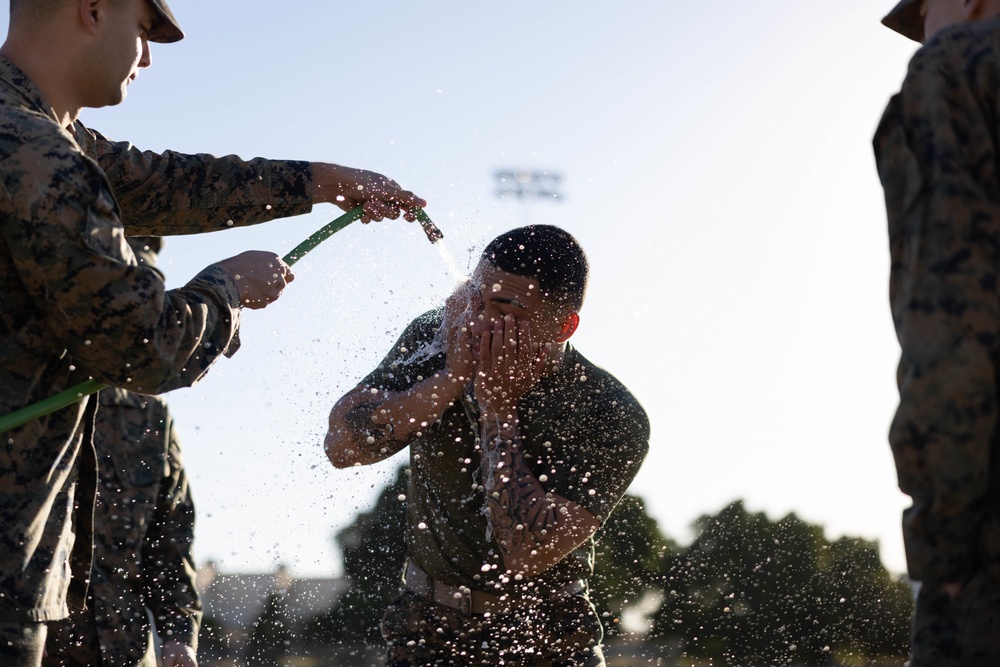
(166,30)
(905,19)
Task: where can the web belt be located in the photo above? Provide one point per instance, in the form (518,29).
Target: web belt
(463,598)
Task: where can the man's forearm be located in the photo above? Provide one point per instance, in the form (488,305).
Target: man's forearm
(533,528)
(369,425)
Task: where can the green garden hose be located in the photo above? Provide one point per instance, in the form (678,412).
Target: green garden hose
(73,394)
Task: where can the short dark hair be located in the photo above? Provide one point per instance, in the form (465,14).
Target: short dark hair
(32,9)
(547,253)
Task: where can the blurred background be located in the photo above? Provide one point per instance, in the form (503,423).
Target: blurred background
(713,158)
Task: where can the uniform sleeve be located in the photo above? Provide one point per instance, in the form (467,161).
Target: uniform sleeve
(173,193)
(937,161)
(62,233)
(610,443)
(168,564)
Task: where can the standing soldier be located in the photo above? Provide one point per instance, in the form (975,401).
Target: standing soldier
(143,536)
(75,304)
(937,154)
(520,449)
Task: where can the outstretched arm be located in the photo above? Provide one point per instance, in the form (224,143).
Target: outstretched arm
(176,193)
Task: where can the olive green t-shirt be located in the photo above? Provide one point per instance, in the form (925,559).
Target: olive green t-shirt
(584,437)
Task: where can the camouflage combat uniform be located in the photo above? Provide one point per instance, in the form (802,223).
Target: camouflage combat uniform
(937,154)
(76,305)
(585,435)
(144,530)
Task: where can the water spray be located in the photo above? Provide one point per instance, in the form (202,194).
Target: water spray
(70,396)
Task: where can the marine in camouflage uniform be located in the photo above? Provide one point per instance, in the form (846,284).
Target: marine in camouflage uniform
(76,305)
(144,530)
(503,502)
(937,154)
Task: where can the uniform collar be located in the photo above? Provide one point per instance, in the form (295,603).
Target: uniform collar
(18,82)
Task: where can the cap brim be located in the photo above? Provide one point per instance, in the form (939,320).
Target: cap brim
(906,20)
(166,30)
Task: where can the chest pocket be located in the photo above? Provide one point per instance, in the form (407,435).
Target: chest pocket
(131,436)
(142,471)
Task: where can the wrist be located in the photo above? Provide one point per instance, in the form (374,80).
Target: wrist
(451,384)
(330,181)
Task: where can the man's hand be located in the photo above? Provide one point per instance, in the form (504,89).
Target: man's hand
(177,654)
(507,367)
(349,188)
(261,276)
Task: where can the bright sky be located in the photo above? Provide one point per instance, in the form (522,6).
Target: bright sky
(717,167)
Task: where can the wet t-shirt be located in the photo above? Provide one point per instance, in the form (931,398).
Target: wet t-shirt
(584,437)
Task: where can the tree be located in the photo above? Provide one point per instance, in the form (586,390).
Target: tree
(871,609)
(373,548)
(629,553)
(752,591)
(213,642)
(271,634)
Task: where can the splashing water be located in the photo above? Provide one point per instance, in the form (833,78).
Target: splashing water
(449,261)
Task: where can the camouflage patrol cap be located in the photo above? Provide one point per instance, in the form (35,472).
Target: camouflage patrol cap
(166,30)
(905,19)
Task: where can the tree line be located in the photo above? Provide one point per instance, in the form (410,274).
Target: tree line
(748,590)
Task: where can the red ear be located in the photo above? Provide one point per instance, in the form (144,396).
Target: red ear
(569,326)
(88,11)
(972,10)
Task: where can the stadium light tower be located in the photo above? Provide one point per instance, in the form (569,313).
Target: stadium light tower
(528,185)
(523,183)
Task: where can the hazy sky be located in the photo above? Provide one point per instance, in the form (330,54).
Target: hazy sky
(716,162)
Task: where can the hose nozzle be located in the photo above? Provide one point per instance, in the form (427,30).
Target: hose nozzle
(430,229)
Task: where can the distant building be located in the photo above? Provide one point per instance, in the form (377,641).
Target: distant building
(234,602)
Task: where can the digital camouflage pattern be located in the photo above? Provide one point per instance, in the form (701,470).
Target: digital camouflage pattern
(144,531)
(76,305)
(936,150)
